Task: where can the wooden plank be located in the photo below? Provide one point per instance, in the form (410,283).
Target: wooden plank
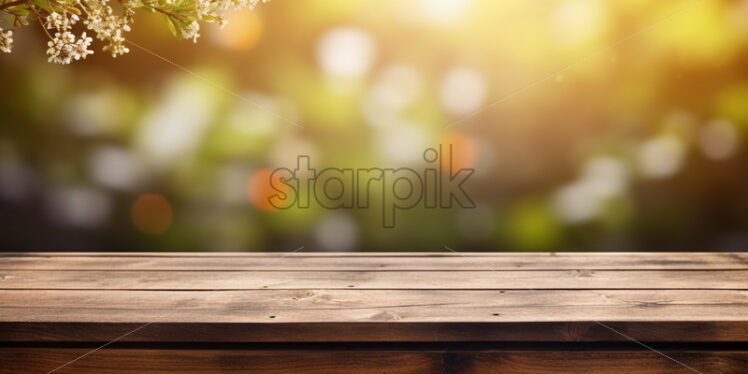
(280,313)
(199,361)
(371,315)
(219,280)
(444,253)
(382,332)
(311,306)
(315,262)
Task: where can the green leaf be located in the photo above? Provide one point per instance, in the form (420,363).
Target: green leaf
(172,27)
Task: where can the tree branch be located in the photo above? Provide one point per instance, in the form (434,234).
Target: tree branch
(169,14)
(12,4)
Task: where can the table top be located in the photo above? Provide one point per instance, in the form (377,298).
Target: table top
(373,297)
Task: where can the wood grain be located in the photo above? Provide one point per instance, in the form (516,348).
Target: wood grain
(380,332)
(257,306)
(25,360)
(396,280)
(326,262)
(55,307)
(443,253)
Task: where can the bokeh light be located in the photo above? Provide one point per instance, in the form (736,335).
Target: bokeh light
(639,139)
(578,22)
(243,31)
(661,157)
(78,206)
(463,150)
(346,52)
(116,168)
(152,214)
(260,190)
(463,91)
(337,232)
(439,11)
(719,139)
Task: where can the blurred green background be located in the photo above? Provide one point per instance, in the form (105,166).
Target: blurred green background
(640,147)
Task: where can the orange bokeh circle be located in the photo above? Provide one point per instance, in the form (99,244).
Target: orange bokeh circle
(259,189)
(152,214)
(464,152)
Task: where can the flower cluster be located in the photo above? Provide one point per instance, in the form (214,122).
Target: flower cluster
(64,46)
(6,40)
(59,18)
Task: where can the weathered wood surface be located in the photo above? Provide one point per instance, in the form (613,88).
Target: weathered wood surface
(347,361)
(307,306)
(376,262)
(373,280)
(383,298)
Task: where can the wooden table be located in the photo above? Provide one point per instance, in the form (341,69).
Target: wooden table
(374,313)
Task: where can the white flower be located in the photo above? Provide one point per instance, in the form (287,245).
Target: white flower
(60,22)
(202,7)
(81,50)
(109,26)
(64,48)
(191,31)
(6,40)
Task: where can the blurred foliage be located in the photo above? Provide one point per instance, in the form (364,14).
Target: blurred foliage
(639,147)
